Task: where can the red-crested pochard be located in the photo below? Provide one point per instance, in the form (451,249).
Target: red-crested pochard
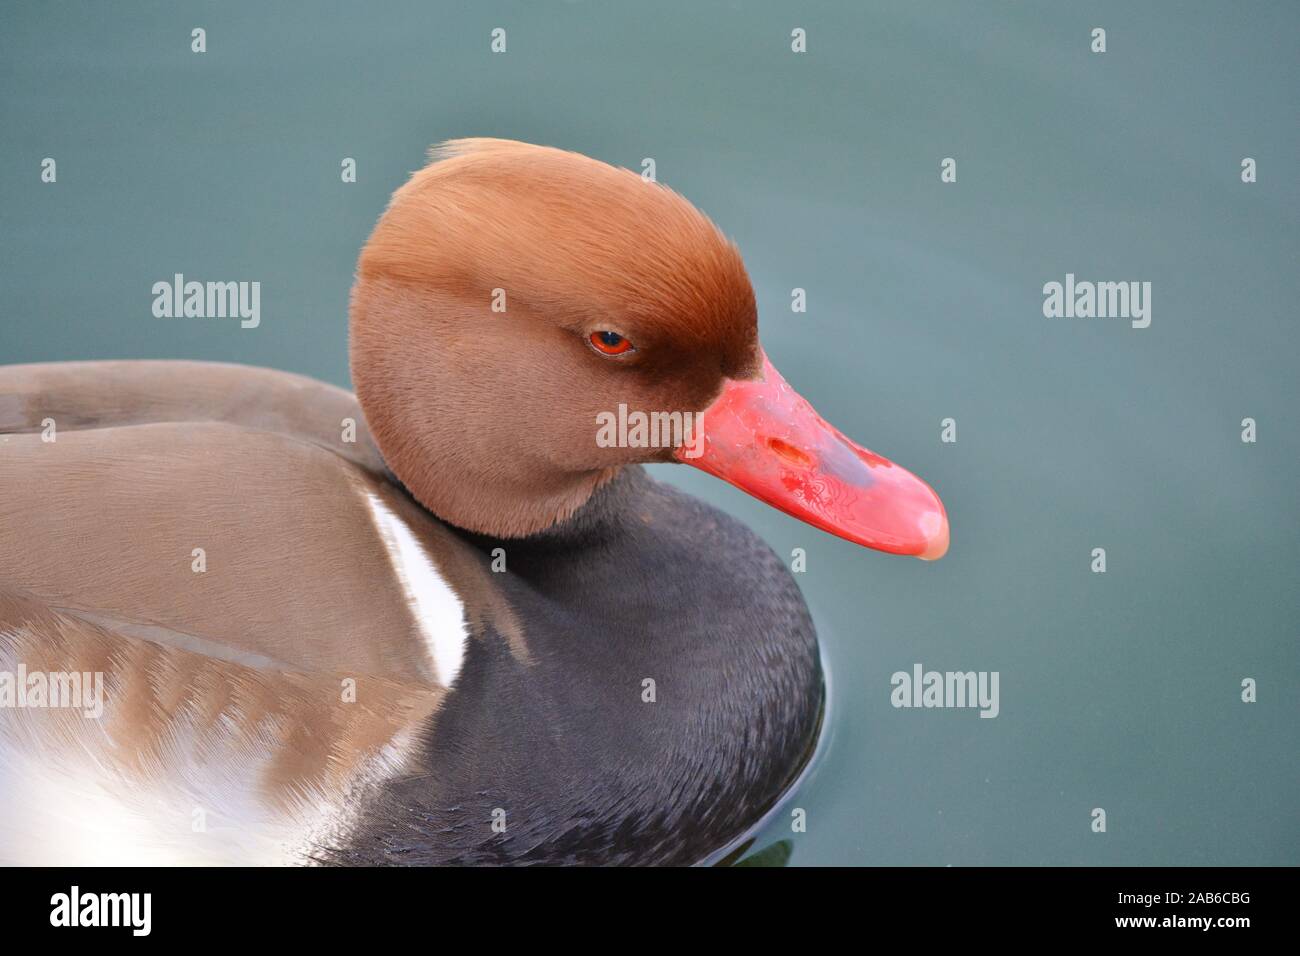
(246,617)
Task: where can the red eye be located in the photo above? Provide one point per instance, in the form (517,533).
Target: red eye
(610,343)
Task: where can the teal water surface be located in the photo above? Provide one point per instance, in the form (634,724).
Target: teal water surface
(1120,690)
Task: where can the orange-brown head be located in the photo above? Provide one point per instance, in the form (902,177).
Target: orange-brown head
(513,297)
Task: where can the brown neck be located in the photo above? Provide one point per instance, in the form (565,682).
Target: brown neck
(476,502)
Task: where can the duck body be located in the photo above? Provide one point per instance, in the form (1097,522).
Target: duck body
(602,765)
(344,678)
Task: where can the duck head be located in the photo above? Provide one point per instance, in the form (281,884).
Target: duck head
(525,321)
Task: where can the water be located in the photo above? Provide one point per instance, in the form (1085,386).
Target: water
(1118,690)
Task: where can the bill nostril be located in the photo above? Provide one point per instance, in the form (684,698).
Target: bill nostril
(791,454)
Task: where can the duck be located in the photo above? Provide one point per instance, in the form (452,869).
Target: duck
(251,618)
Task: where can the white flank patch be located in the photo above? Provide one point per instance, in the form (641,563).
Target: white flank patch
(74,810)
(438,612)
(65,801)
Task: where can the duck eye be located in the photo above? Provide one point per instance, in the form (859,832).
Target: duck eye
(609,343)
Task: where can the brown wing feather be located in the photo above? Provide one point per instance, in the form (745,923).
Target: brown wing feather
(224,687)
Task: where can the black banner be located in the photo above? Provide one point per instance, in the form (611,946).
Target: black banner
(334,905)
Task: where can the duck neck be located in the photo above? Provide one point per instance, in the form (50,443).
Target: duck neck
(600,517)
